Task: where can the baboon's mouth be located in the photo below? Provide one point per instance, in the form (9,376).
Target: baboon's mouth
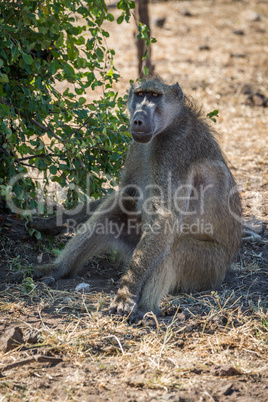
(142,137)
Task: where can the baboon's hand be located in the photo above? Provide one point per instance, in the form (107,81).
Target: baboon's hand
(124,305)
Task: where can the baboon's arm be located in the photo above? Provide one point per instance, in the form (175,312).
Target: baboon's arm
(149,253)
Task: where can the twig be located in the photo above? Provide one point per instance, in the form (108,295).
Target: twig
(117,340)
(37,358)
(35,156)
(46,128)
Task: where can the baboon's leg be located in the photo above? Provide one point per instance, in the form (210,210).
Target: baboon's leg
(107,228)
(211,234)
(156,286)
(193,266)
(199,265)
(145,265)
(57,224)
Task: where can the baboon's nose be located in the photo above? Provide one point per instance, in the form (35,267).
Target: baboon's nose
(141,129)
(138,123)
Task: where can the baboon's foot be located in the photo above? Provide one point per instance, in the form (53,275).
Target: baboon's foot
(124,305)
(47,226)
(41,271)
(14,277)
(50,273)
(46,273)
(47,280)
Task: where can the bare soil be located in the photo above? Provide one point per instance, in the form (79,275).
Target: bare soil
(211,346)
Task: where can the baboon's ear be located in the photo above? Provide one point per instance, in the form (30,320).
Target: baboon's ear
(179,91)
(132,86)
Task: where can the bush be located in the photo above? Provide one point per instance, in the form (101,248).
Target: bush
(71,142)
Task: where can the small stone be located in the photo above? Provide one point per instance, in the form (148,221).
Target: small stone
(254,224)
(203,47)
(11,339)
(258,99)
(238,55)
(226,389)
(160,22)
(83,288)
(254,17)
(67,300)
(238,32)
(224,370)
(247,89)
(31,336)
(186,13)
(179,343)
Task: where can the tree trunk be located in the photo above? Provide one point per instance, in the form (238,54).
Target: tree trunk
(143,17)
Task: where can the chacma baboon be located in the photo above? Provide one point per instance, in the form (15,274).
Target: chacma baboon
(176,216)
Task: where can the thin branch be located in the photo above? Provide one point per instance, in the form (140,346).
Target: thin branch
(76,131)
(46,129)
(38,359)
(25,164)
(35,156)
(5,151)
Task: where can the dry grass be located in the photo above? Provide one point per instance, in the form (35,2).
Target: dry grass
(177,351)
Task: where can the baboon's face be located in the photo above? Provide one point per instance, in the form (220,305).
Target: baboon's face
(153,106)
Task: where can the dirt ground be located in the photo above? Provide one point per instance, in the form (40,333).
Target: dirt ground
(210,346)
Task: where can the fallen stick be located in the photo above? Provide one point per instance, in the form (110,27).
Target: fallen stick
(37,358)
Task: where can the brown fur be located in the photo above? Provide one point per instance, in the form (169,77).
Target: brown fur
(160,206)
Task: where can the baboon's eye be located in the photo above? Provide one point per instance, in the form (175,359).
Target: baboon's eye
(155,94)
(140,93)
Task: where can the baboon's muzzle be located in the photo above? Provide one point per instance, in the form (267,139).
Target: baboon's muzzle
(141,128)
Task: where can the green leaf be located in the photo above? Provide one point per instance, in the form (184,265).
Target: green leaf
(79,91)
(14,53)
(82,100)
(40,163)
(4,110)
(69,69)
(110,17)
(27,58)
(53,169)
(47,64)
(212,114)
(145,70)
(120,19)
(72,53)
(38,235)
(4,78)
